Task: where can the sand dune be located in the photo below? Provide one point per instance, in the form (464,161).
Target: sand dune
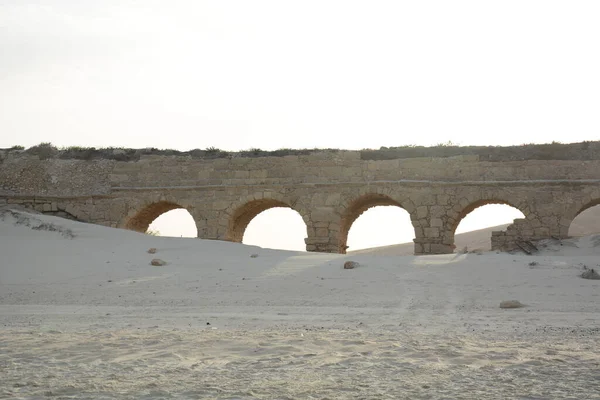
(83,314)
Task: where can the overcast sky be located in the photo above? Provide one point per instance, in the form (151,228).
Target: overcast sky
(274,74)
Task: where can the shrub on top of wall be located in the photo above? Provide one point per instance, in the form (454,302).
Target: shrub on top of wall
(43,150)
(79,153)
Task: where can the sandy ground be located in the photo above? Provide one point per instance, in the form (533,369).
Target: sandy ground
(84,315)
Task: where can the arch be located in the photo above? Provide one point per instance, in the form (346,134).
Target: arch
(174,223)
(143,218)
(589,204)
(593,203)
(455,220)
(358,206)
(279,228)
(242,215)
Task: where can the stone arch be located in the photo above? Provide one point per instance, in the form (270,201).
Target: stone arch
(590,204)
(141,220)
(575,211)
(244,212)
(358,206)
(458,217)
(455,218)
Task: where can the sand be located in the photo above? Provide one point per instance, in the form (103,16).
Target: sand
(84,315)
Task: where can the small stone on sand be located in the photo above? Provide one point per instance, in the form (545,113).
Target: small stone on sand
(511,304)
(350,264)
(590,274)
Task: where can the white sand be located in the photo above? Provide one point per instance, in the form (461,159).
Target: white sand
(88,318)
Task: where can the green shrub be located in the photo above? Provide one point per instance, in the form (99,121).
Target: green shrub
(43,150)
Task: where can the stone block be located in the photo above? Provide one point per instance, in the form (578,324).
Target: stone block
(443,199)
(565,222)
(432,232)
(542,232)
(322,232)
(324,214)
(418,248)
(437,211)
(70,209)
(427,200)
(221,205)
(203,174)
(259,173)
(333,199)
(440,248)
(118,178)
(437,222)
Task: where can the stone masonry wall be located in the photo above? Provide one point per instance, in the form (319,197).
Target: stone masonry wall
(328,189)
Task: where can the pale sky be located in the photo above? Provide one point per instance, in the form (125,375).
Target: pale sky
(275,74)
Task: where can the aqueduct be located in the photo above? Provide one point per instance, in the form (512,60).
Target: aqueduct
(550,184)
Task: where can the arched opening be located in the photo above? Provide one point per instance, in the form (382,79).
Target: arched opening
(268,223)
(374,220)
(174,223)
(476,223)
(164,219)
(587,221)
(277,228)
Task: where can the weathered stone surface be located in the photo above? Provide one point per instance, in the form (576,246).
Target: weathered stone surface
(328,189)
(157,262)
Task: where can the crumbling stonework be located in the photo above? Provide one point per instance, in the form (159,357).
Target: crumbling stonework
(328,189)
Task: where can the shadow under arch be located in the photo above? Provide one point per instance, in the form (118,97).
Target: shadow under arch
(142,220)
(359,206)
(241,217)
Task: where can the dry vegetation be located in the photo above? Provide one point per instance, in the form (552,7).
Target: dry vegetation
(549,151)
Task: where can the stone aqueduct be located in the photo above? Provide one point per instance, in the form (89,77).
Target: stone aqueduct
(549,184)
